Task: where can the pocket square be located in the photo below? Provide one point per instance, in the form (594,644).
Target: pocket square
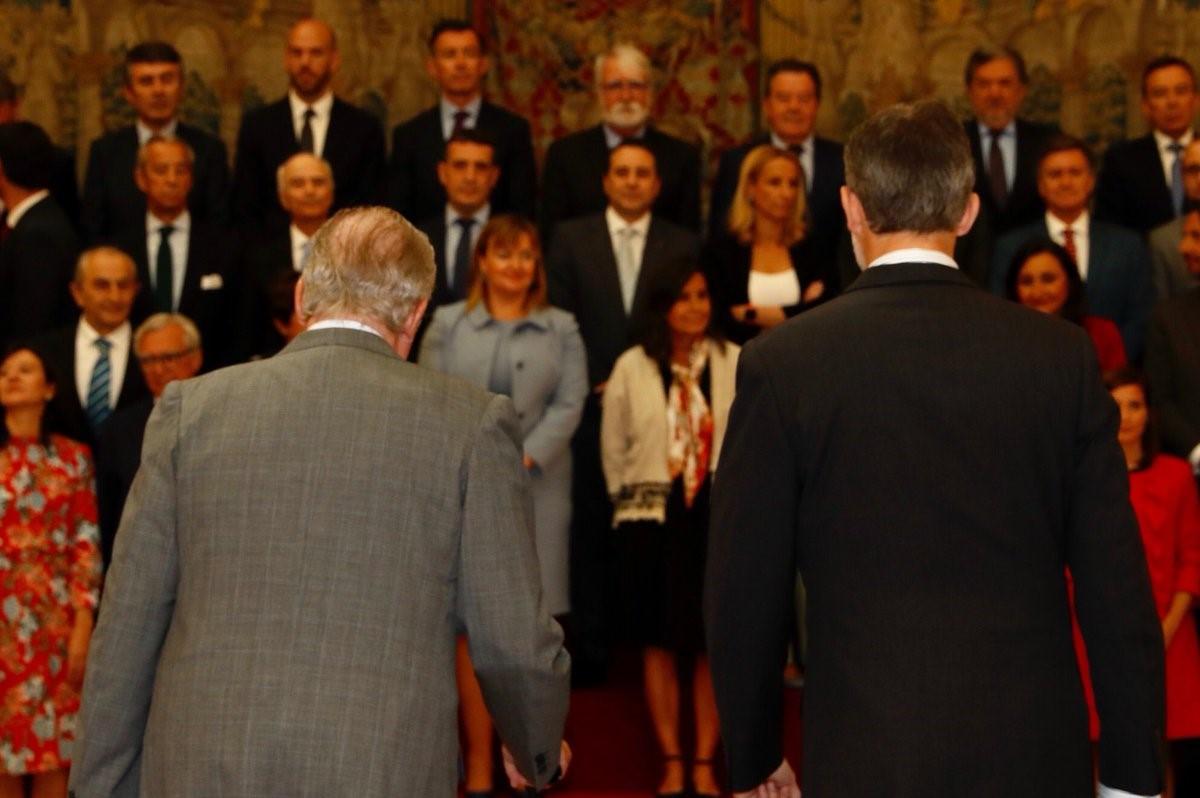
(211,282)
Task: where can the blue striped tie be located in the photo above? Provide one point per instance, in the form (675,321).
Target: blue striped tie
(97,399)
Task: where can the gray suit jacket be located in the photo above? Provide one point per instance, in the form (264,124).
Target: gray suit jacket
(1171,276)
(304,537)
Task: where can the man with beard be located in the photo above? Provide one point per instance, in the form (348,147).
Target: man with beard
(308,119)
(575,165)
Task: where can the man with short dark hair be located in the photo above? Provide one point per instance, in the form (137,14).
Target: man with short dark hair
(1112,260)
(1141,180)
(154,86)
(929,457)
(573,175)
(789,106)
(458,62)
(308,119)
(63,186)
(1172,277)
(38,244)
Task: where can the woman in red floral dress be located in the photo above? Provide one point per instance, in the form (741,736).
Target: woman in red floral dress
(49,576)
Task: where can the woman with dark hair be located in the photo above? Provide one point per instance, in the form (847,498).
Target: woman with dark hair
(665,409)
(762,267)
(506,338)
(49,578)
(1042,275)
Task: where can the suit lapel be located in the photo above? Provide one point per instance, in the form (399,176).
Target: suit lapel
(608,281)
(651,259)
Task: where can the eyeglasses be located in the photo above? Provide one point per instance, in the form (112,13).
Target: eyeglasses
(165,357)
(619,85)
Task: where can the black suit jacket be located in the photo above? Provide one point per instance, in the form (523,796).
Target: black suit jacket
(112,201)
(353,147)
(118,455)
(931,458)
(37,262)
(212,294)
(1132,189)
(1024,204)
(1173,366)
(417,147)
(265,256)
(575,166)
(582,275)
(68,413)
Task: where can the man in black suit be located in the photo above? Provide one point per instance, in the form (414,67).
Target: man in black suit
(63,187)
(154,86)
(167,346)
(91,357)
(308,119)
(930,457)
(305,185)
(184,265)
(1005,150)
(457,62)
(790,107)
(38,245)
(572,179)
(1141,181)
(602,268)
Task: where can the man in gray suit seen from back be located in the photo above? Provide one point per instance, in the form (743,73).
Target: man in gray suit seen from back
(304,538)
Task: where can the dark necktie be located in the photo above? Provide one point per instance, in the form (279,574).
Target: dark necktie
(460,122)
(1069,245)
(462,258)
(798,151)
(98,387)
(996,176)
(164,271)
(306,132)
(1176,176)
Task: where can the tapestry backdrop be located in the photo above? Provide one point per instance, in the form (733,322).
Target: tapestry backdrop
(1085,56)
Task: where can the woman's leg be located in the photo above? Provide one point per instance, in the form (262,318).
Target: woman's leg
(708,730)
(11,786)
(477,724)
(50,785)
(662,698)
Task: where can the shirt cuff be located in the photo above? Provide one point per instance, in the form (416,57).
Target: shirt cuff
(1194,459)
(1109,792)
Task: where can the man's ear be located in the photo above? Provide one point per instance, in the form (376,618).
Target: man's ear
(856,216)
(970,214)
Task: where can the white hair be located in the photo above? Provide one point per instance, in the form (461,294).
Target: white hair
(627,56)
(159,321)
(282,172)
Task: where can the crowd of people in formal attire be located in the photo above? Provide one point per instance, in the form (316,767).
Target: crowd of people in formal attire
(592,292)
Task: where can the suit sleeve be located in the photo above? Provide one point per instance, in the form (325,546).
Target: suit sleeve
(139,599)
(516,648)
(1113,600)
(1180,433)
(93,211)
(751,574)
(555,191)
(551,436)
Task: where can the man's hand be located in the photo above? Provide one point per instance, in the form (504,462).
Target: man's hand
(780,784)
(519,782)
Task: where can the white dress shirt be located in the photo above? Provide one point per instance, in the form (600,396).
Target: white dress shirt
(1008,149)
(449,109)
(24,205)
(641,228)
(612,138)
(299,242)
(454,233)
(322,109)
(87,353)
(144,133)
(344,324)
(807,159)
(1079,227)
(179,251)
(1166,156)
(913,255)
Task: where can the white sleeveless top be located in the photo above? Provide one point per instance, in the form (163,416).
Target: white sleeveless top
(781,288)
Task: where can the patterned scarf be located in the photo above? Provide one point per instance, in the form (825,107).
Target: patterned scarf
(690,424)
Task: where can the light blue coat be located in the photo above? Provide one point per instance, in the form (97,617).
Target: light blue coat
(549,385)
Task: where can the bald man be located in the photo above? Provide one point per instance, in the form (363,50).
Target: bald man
(308,119)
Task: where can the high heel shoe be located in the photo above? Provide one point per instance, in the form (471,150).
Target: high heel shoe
(681,793)
(703,763)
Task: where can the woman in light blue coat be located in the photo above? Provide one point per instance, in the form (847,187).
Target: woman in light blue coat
(506,338)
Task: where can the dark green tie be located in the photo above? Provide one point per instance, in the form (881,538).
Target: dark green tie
(164,271)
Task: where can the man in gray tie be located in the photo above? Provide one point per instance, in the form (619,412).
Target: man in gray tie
(306,536)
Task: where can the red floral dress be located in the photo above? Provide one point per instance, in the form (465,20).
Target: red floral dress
(49,569)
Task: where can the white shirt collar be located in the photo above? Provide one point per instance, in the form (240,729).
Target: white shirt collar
(180,223)
(119,337)
(17,211)
(480,216)
(1164,141)
(345,324)
(807,143)
(612,138)
(616,222)
(144,133)
(913,255)
(985,132)
(449,109)
(322,107)
(1055,226)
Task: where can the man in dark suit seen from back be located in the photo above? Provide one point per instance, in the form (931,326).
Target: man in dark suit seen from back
(790,106)
(1005,149)
(932,459)
(154,87)
(1112,260)
(93,356)
(184,265)
(167,346)
(573,174)
(308,119)
(458,62)
(63,186)
(38,245)
(601,268)
(1141,180)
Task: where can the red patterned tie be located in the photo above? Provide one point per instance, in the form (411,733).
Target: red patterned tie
(1069,245)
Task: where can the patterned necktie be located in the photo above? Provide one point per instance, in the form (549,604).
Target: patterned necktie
(1176,176)
(462,258)
(627,266)
(98,388)
(306,133)
(996,176)
(460,122)
(164,271)
(1069,245)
